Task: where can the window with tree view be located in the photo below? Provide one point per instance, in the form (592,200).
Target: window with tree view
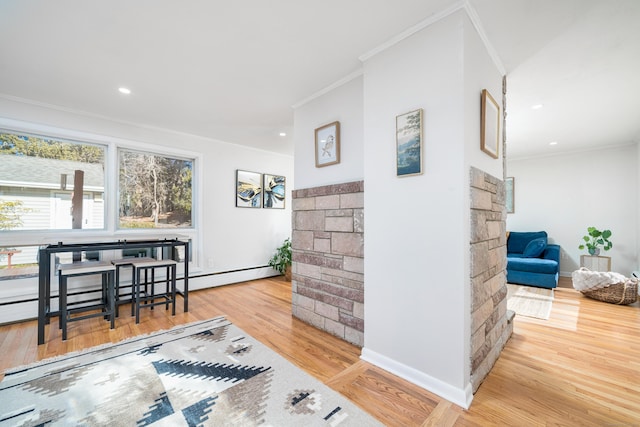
(155,191)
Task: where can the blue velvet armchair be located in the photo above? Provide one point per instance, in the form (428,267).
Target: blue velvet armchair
(531,260)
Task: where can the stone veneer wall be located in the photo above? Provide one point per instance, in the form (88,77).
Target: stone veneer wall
(328,259)
(491,324)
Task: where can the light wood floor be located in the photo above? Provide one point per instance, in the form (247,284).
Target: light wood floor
(579,368)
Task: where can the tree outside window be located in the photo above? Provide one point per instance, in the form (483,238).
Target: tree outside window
(155,191)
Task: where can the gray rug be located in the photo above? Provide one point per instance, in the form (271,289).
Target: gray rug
(208,373)
(530,301)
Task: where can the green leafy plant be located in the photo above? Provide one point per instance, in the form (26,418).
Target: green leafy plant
(595,239)
(282,258)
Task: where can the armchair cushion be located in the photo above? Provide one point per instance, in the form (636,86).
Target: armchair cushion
(535,248)
(518,240)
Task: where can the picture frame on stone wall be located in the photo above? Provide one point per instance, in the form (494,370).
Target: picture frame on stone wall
(248,189)
(409,143)
(327,144)
(509,201)
(274,187)
(489,125)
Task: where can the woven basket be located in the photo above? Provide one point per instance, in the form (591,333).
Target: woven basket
(620,293)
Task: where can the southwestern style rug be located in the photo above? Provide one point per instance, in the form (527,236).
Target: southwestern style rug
(208,373)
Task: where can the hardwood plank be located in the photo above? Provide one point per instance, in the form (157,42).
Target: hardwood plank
(579,368)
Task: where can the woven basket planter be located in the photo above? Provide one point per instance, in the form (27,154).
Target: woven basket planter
(620,293)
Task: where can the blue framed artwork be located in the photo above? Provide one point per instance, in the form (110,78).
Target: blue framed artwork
(274,191)
(409,143)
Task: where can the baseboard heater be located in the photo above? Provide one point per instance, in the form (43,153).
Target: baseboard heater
(217,273)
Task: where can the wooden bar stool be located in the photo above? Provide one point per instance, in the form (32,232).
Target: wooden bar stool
(106,304)
(119,264)
(151,299)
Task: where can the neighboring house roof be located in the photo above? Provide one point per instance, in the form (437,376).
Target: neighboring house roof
(36,172)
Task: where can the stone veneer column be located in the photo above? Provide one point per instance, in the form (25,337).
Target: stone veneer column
(328,259)
(491,324)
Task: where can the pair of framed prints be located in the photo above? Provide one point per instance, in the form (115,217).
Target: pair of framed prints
(260,190)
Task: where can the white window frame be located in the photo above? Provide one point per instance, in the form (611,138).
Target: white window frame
(111,217)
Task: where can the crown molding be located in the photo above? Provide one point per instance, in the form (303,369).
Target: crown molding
(329,88)
(412,30)
(477,24)
(461,5)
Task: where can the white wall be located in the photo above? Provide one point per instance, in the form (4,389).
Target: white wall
(231,238)
(343,104)
(417,309)
(480,73)
(566,193)
(414,268)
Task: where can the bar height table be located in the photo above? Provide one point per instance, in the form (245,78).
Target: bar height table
(45,268)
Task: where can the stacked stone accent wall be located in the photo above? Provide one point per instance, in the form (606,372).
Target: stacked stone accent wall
(491,325)
(328,259)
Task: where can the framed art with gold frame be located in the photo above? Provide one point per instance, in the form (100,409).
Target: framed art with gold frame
(490,125)
(328,145)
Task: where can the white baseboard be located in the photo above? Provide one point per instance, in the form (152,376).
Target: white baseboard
(458,396)
(219,279)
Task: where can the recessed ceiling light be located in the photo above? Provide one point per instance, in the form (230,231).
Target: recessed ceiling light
(553,143)
(536,107)
(283,134)
(124,90)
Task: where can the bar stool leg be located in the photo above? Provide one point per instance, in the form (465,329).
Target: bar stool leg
(62,301)
(117,291)
(153,285)
(167,286)
(137,300)
(112,298)
(173,289)
(105,295)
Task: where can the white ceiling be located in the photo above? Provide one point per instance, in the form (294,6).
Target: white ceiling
(231,70)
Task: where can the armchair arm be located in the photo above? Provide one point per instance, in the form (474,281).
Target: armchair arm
(552,252)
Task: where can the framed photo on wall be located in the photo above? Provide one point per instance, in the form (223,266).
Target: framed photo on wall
(509,201)
(328,145)
(409,143)
(489,125)
(248,189)
(274,191)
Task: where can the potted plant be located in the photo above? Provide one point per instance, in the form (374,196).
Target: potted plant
(594,239)
(281,260)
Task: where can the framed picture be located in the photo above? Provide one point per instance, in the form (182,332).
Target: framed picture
(248,189)
(274,191)
(409,143)
(509,186)
(328,145)
(489,125)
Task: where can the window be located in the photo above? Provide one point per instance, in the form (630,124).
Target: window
(48,184)
(53,187)
(155,191)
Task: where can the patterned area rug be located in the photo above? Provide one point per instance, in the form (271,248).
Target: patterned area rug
(530,301)
(208,373)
